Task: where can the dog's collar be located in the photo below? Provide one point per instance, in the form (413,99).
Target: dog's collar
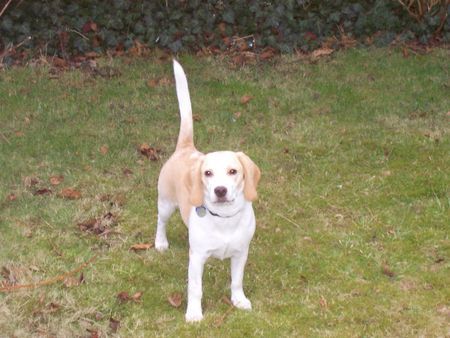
(201,212)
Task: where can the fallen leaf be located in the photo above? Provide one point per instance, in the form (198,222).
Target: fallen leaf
(137,296)
(98,226)
(405,52)
(94,333)
(246,99)
(19,133)
(114,324)
(322,52)
(444,310)
(237,115)
(53,307)
(11,197)
(387,270)
(30,181)
(104,149)
(123,296)
(175,299)
(71,281)
(152,83)
(59,62)
(150,152)
(141,246)
(55,180)
(267,53)
(227,301)
(197,117)
(323,302)
(43,191)
(70,193)
(127,172)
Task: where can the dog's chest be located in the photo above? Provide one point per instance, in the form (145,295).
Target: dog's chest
(225,245)
(221,238)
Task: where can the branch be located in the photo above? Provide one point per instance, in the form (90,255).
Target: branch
(53,280)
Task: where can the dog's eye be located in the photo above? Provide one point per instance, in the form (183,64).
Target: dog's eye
(208,173)
(232,172)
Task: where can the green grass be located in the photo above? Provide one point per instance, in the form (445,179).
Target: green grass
(352,221)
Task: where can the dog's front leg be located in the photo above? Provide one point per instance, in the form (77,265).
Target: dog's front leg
(195,273)
(237,275)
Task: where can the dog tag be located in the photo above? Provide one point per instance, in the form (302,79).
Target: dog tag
(201,211)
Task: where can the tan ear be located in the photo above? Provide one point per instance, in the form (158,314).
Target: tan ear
(194,184)
(252,174)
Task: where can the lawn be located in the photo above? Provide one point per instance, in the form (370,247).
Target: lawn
(352,235)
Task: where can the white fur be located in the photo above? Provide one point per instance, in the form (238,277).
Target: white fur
(190,179)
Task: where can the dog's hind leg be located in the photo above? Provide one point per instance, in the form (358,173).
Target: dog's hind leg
(165,210)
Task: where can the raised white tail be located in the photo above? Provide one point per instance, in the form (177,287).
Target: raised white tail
(185,137)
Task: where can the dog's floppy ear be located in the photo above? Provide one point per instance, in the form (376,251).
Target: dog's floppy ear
(194,183)
(252,174)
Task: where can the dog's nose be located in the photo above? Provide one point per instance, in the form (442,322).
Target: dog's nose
(220,191)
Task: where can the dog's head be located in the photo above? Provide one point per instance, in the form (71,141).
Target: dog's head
(221,178)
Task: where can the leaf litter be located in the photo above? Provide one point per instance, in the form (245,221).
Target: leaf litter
(101,226)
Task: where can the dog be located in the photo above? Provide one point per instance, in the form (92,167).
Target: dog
(214,193)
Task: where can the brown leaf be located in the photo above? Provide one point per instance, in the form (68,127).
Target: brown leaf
(42,191)
(197,117)
(30,181)
(150,152)
(175,299)
(246,99)
(152,83)
(71,281)
(70,194)
(114,324)
(162,81)
(11,197)
(19,133)
(127,172)
(94,333)
(123,296)
(322,52)
(104,149)
(323,302)
(141,246)
(137,296)
(387,271)
(59,62)
(55,180)
(227,301)
(237,115)
(267,53)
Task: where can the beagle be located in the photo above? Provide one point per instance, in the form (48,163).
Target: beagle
(214,193)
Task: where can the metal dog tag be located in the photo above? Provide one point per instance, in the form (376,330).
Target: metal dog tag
(201,211)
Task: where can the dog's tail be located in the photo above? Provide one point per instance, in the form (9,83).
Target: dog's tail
(186,135)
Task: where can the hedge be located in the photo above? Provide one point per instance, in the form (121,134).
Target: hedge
(62,27)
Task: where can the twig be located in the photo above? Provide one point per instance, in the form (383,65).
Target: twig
(5,7)
(77,32)
(5,138)
(53,280)
(287,219)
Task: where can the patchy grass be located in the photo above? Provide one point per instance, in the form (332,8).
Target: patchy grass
(353,216)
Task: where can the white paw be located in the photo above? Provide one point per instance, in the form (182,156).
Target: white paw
(161,245)
(193,316)
(241,302)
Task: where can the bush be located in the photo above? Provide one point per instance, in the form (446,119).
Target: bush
(67,27)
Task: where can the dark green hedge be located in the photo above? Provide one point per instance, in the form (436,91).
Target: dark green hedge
(76,27)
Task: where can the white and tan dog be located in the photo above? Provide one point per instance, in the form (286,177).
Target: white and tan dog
(214,193)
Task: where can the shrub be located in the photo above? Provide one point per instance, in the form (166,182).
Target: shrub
(67,27)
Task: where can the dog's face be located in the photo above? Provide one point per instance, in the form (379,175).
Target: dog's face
(222,177)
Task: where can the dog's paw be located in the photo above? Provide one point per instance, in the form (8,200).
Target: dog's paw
(161,245)
(193,316)
(241,302)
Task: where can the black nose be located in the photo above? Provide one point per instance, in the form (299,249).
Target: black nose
(220,191)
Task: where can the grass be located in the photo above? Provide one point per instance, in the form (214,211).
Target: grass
(352,221)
